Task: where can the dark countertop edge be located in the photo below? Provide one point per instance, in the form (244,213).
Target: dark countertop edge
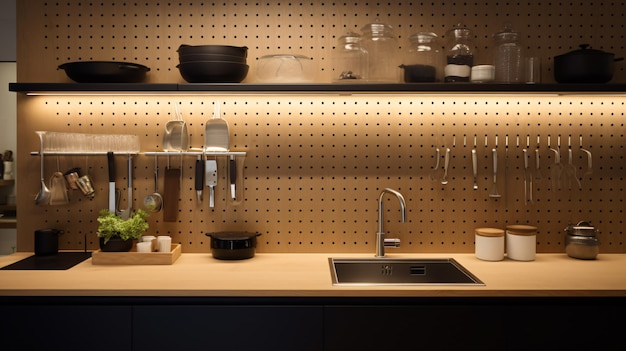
(313,300)
(312,296)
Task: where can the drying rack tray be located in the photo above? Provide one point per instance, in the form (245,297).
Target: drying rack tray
(137,258)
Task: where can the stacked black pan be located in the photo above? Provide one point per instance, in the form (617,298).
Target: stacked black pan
(212,63)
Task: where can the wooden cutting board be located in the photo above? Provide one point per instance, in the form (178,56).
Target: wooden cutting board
(171,194)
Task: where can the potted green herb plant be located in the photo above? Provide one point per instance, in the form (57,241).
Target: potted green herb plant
(117,234)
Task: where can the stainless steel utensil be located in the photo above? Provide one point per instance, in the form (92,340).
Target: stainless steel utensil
(474,168)
(211,179)
(494,187)
(43,196)
(112,191)
(199,178)
(216,134)
(125,214)
(433,171)
(176,136)
(154,201)
(570,171)
(171,192)
(446,163)
(58,190)
(232,174)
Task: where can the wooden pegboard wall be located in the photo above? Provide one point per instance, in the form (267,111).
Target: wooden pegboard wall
(149,32)
(316,165)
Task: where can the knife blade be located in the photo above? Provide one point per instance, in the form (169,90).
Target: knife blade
(232,172)
(211,179)
(198,180)
(111,166)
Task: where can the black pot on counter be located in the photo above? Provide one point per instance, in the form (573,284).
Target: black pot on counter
(233,245)
(47,241)
(585,65)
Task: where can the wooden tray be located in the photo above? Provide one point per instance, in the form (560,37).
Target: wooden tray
(137,258)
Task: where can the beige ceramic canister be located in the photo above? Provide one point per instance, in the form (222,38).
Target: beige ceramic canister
(521,242)
(489,243)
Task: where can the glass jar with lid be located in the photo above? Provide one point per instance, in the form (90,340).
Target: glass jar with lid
(422,63)
(459,54)
(349,60)
(381,46)
(508,56)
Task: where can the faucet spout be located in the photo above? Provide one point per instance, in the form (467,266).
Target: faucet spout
(380,236)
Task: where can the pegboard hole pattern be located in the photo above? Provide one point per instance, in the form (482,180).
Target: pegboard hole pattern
(149,32)
(314,168)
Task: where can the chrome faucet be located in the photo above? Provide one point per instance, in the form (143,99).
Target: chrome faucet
(380,236)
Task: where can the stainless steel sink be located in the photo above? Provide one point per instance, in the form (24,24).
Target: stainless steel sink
(399,271)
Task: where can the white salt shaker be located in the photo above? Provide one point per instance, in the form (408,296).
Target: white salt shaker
(489,243)
(521,242)
(164,243)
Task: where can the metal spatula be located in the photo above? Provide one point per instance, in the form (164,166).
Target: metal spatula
(211,179)
(216,134)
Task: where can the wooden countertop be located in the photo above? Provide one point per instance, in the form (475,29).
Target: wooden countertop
(308,275)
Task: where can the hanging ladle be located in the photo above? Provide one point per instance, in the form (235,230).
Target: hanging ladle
(154,201)
(43,196)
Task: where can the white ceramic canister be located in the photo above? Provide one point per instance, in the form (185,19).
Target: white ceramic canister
(489,243)
(521,242)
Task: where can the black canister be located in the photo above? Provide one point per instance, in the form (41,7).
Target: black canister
(47,241)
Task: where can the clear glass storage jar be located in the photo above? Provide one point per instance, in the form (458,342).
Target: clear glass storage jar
(459,54)
(508,56)
(422,63)
(349,60)
(381,45)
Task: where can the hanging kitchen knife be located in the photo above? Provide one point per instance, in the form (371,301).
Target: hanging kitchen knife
(232,172)
(211,179)
(199,175)
(111,165)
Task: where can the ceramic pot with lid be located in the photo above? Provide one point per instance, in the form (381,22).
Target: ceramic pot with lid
(585,65)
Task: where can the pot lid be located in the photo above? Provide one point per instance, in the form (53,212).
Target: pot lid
(232,235)
(585,49)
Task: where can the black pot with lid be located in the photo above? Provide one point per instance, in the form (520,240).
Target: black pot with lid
(585,65)
(233,245)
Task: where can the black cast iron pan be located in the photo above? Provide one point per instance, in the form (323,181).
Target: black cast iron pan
(105,72)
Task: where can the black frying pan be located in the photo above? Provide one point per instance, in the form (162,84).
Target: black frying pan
(105,72)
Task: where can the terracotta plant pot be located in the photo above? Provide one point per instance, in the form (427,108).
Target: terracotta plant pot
(116,245)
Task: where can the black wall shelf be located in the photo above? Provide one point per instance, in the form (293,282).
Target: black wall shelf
(314,88)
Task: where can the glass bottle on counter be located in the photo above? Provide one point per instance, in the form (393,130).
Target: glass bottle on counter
(381,46)
(459,54)
(423,61)
(349,60)
(508,56)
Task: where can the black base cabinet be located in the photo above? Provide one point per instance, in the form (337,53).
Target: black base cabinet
(478,324)
(197,327)
(65,327)
(311,324)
